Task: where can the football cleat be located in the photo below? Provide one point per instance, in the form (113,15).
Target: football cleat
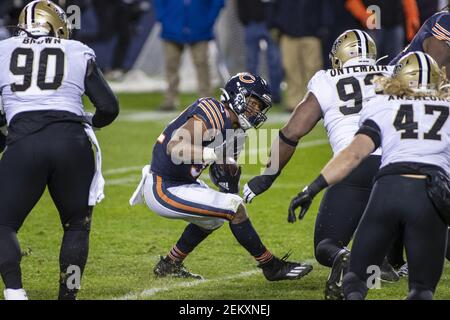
(281,269)
(15,294)
(388,274)
(166,267)
(403,271)
(333,286)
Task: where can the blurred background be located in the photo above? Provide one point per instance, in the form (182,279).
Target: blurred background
(195,45)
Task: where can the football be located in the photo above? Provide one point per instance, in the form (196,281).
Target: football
(231,168)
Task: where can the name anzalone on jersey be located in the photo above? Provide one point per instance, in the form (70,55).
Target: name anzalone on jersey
(418,98)
(359,69)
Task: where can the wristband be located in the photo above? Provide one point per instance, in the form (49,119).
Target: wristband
(286,140)
(317,185)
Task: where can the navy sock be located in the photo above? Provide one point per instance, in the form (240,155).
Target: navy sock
(246,235)
(10,257)
(191,238)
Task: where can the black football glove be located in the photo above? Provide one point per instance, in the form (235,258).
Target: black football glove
(222,178)
(303,200)
(257,185)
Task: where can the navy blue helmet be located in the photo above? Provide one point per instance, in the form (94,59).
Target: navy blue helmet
(237,92)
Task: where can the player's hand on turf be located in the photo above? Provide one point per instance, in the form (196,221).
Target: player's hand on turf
(256,186)
(302,200)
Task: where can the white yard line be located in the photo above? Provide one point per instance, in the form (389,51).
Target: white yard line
(122,170)
(152,291)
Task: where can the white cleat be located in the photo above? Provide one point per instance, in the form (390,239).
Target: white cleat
(15,294)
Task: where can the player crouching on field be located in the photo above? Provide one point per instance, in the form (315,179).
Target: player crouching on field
(409,120)
(171,188)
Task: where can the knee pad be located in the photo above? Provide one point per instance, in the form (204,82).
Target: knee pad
(326,250)
(79,223)
(210,225)
(420,294)
(354,287)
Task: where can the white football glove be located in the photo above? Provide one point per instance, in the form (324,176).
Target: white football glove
(248,194)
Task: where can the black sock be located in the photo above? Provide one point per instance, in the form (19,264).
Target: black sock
(10,257)
(246,235)
(72,260)
(326,252)
(192,236)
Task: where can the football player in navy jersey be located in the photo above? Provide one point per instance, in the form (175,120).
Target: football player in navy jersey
(171,188)
(432,38)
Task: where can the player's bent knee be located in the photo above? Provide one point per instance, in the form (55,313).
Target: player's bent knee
(210,225)
(241,215)
(82,223)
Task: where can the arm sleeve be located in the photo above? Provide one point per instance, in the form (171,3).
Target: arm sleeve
(101,95)
(372,130)
(3,127)
(441,29)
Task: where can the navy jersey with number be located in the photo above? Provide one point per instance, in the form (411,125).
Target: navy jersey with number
(214,117)
(437,26)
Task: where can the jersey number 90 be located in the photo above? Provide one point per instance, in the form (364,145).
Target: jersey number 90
(51,61)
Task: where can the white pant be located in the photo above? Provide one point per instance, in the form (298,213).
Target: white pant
(196,202)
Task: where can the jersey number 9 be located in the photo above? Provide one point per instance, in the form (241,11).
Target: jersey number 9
(355,94)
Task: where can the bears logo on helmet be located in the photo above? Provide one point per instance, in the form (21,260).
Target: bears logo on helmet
(237,92)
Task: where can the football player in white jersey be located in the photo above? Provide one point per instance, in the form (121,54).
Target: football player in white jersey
(42,80)
(338,96)
(410,123)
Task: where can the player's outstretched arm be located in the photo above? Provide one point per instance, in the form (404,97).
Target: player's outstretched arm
(101,95)
(334,171)
(303,119)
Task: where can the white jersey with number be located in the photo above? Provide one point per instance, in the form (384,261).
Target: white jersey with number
(42,74)
(412,129)
(342,95)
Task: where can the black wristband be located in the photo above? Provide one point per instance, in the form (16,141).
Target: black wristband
(317,185)
(287,140)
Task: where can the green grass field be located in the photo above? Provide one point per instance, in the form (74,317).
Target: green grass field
(126,241)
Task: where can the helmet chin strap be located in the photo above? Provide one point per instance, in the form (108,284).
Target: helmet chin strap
(244,123)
